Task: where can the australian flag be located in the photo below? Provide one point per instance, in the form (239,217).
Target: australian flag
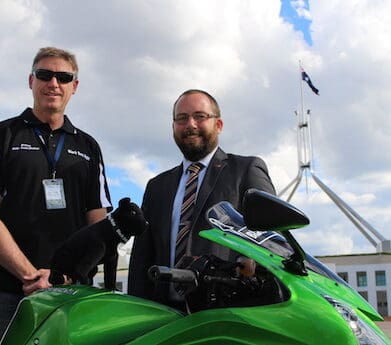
(306,78)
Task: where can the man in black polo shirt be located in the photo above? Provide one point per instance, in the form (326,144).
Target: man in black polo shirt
(52,180)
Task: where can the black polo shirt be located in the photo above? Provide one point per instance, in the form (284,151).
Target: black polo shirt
(24,165)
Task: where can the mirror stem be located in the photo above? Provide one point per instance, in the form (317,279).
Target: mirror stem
(295,263)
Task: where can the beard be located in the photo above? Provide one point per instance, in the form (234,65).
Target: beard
(196,151)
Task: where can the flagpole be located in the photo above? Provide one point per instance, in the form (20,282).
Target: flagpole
(304,141)
(303,126)
(301,90)
(312,165)
(301,120)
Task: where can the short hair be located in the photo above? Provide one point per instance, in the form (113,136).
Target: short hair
(215,105)
(56,52)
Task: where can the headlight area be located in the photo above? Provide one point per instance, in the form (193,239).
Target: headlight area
(364,334)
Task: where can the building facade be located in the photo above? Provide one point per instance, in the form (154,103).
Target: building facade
(369,274)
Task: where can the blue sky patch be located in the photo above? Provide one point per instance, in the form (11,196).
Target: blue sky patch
(296,12)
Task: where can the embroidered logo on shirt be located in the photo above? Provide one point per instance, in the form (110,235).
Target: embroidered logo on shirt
(27,147)
(80,154)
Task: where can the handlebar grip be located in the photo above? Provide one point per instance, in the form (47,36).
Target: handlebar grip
(164,273)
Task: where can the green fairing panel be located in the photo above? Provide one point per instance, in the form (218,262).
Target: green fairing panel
(84,315)
(271,325)
(273,263)
(36,308)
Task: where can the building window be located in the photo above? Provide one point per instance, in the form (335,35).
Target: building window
(382,306)
(344,276)
(362,279)
(380,278)
(364,294)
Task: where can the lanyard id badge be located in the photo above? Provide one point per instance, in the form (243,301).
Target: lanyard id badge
(54,193)
(54,187)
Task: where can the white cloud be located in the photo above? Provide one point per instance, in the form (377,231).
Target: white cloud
(137,169)
(20,18)
(335,240)
(299,6)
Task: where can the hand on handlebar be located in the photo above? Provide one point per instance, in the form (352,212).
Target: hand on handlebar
(246,266)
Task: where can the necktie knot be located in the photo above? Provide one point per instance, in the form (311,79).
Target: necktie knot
(195,168)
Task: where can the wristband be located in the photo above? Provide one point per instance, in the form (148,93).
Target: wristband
(117,229)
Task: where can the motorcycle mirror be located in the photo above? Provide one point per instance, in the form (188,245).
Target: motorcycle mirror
(263,211)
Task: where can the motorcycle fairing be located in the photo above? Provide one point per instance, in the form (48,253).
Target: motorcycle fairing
(85,315)
(292,323)
(314,282)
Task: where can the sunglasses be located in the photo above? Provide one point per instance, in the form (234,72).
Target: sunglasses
(47,75)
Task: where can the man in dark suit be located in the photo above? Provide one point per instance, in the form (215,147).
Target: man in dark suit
(197,124)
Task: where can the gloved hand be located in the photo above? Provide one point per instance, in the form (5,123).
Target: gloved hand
(128,220)
(79,255)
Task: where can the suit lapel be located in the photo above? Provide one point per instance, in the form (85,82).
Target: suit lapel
(170,186)
(215,167)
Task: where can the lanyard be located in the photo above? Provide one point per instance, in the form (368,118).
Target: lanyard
(51,160)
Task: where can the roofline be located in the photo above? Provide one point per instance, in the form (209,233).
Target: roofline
(352,255)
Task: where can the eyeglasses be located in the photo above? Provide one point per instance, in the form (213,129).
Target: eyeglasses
(198,117)
(47,75)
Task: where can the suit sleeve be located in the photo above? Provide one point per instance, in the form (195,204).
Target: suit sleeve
(258,177)
(141,259)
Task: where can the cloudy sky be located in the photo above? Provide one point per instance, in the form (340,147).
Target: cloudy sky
(137,56)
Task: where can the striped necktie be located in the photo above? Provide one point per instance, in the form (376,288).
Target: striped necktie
(187,210)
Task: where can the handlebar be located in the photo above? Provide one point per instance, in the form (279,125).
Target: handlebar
(230,281)
(164,273)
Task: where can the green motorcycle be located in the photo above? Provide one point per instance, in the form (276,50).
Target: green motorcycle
(272,293)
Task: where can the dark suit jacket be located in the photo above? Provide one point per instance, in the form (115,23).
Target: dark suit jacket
(227,178)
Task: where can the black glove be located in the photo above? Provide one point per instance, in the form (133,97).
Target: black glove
(128,220)
(79,255)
